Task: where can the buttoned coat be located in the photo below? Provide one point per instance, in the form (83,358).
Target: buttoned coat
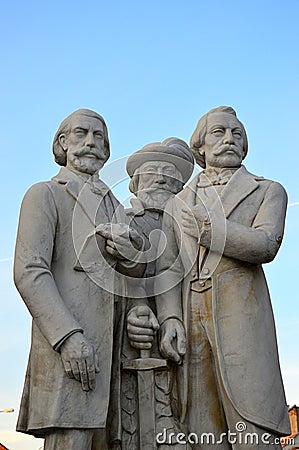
(247,229)
(55,219)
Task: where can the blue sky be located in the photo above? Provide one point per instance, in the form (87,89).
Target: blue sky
(151,68)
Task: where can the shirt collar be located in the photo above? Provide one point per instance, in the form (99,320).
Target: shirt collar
(213,176)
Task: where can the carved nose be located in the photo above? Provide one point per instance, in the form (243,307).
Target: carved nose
(90,139)
(160,179)
(228,137)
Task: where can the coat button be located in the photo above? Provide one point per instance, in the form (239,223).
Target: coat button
(206,271)
(278,238)
(202,284)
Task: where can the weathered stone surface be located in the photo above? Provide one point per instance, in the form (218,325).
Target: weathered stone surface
(220,230)
(158,172)
(67,383)
(156,321)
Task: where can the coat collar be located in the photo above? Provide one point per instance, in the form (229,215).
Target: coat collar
(241,184)
(79,188)
(74,182)
(65,175)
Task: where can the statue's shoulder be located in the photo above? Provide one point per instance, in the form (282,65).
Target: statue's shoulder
(265,183)
(38,197)
(44,191)
(39,189)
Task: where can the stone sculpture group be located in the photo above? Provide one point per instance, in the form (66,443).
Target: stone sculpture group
(152,327)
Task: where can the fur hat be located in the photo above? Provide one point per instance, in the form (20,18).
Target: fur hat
(171,150)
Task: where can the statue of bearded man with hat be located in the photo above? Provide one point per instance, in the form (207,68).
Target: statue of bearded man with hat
(158,172)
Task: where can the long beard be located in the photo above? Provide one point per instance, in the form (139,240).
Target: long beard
(154,199)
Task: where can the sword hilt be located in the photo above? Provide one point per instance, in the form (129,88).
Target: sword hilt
(145,353)
(145,362)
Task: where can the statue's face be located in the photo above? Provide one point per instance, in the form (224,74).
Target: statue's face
(224,143)
(84,145)
(158,181)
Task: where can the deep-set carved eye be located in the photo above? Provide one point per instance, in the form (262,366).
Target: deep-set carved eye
(80,133)
(218,132)
(237,133)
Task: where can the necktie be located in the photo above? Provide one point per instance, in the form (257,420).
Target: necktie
(215,178)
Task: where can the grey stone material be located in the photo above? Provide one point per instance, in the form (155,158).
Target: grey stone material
(220,230)
(170,150)
(67,385)
(158,172)
(180,341)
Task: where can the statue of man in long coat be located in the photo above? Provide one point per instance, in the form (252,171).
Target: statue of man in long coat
(213,303)
(67,386)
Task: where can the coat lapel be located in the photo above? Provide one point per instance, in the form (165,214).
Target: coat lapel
(241,184)
(87,213)
(88,201)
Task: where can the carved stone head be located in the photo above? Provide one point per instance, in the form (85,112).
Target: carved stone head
(219,139)
(81,142)
(159,171)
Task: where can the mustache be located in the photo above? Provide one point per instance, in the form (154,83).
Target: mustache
(89,151)
(225,148)
(161,187)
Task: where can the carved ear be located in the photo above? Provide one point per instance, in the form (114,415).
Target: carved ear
(62,141)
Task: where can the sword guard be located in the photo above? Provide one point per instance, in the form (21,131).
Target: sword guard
(145,364)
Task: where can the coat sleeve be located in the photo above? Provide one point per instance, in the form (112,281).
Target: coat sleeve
(260,242)
(169,270)
(118,214)
(32,267)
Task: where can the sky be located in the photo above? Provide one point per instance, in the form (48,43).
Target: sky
(152,69)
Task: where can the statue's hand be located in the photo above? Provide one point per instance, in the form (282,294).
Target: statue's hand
(193,220)
(80,360)
(173,340)
(141,327)
(123,242)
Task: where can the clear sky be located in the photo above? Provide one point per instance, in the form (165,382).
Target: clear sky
(151,68)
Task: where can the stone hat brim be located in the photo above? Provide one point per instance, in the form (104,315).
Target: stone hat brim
(182,159)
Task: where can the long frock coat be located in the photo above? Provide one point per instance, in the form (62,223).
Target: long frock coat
(55,219)
(247,229)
